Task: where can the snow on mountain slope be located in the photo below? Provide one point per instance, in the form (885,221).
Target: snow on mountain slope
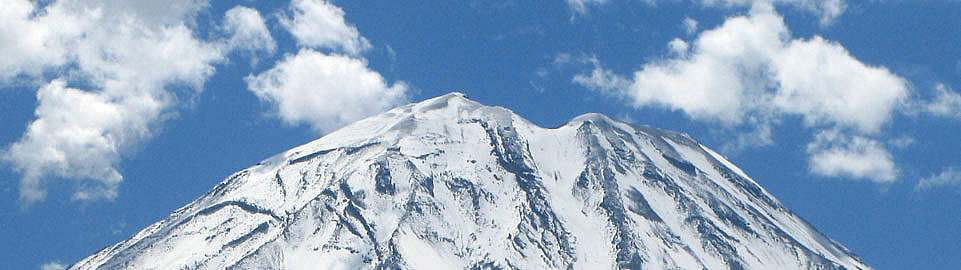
(449,183)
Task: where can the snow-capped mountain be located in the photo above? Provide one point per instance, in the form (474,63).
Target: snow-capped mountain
(449,183)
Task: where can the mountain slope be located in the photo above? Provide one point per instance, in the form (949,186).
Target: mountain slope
(450,183)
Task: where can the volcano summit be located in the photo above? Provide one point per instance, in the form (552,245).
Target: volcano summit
(449,183)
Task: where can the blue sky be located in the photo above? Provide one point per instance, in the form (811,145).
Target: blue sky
(118,112)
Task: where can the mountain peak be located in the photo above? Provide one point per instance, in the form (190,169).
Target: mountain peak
(451,183)
(452,99)
(592,116)
(598,119)
(456,93)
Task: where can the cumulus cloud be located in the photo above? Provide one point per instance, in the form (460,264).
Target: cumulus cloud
(37,38)
(750,72)
(80,134)
(820,80)
(320,24)
(838,155)
(247,30)
(106,70)
(750,65)
(325,91)
(947,177)
(580,6)
(30,43)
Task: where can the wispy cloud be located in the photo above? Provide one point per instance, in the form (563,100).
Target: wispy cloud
(580,6)
(53,266)
(827,10)
(689,25)
(946,102)
(901,142)
(601,79)
(838,155)
(949,177)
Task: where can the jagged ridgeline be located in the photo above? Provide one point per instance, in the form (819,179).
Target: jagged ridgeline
(449,183)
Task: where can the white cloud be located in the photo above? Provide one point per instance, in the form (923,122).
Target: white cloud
(562,59)
(826,10)
(678,47)
(837,155)
(79,134)
(947,177)
(247,30)
(759,136)
(391,53)
(320,24)
(325,91)
(820,80)
(601,79)
(112,65)
(30,45)
(946,103)
(170,12)
(690,25)
(53,266)
(37,38)
(750,66)
(902,142)
(580,6)
(749,72)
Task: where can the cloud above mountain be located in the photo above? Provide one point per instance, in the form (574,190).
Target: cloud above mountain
(109,73)
(321,24)
(750,72)
(99,94)
(325,91)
